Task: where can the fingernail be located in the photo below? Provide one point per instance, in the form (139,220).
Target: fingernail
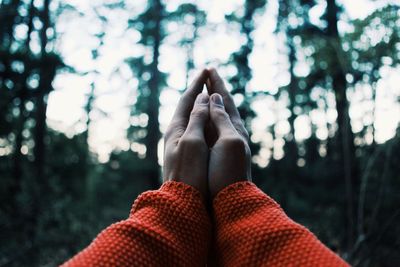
(217,99)
(202,99)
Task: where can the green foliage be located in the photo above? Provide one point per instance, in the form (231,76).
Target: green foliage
(56,196)
(240,60)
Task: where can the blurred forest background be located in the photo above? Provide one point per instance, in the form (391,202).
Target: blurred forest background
(87,88)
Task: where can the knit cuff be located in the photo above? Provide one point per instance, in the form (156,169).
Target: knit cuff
(239,195)
(171,193)
(180,188)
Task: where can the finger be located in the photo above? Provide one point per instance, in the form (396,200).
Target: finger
(216,85)
(198,118)
(220,117)
(186,102)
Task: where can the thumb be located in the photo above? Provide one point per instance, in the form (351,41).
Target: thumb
(198,117)
(219,117)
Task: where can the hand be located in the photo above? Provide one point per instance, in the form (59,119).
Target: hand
(186,150)
(230,156)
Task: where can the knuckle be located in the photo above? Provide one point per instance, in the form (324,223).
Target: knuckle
(174,129)
(234,142)
(238,124)
(236,147)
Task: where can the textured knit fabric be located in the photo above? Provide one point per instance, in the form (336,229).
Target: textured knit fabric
(167,227)
(170,227)
(252,230)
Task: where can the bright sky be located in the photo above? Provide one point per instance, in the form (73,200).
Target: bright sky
(115,87)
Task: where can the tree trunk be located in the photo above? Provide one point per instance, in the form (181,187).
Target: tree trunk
(44,88)
(153,128)
(292,85)
(344,137)
(22,95)
(8,14)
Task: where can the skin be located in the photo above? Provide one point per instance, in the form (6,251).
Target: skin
(186,150)
(230,156)
(206,143)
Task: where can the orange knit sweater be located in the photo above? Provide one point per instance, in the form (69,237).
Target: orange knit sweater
(171,227)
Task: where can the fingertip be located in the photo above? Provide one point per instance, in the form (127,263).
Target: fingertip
(201,76)
(216,82)
(202,99)
(217,99)
(197,84)
(218,115)
(213,72)
(211,69)
(204,73)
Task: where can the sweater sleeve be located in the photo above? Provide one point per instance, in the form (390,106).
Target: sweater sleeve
(166,227)
(252,230)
